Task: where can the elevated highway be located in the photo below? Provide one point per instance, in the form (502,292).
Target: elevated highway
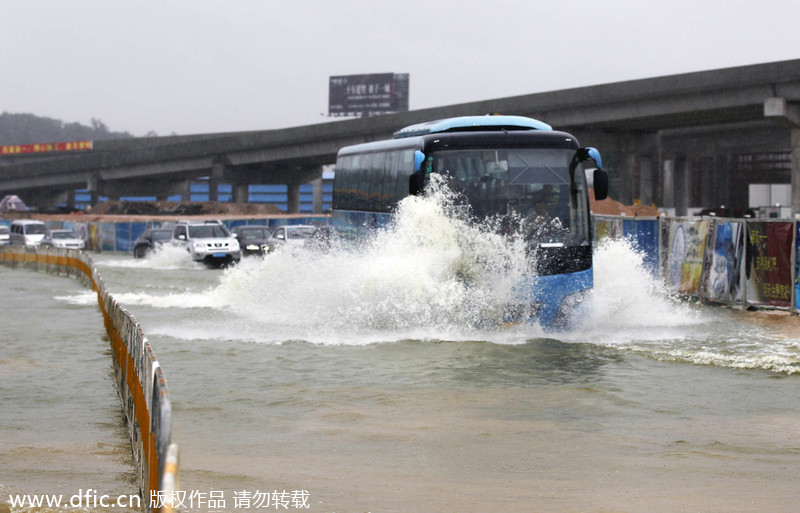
(662,139)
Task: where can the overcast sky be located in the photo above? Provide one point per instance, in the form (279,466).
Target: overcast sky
(186,67)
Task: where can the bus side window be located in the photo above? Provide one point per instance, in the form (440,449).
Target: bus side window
(362,183)
(376,182)
(351,181)
(390,183)
(404,171)
(343,182)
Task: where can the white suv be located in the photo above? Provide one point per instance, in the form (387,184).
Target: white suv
(207,241)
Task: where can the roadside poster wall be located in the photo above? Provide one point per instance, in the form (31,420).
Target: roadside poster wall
(725,278)
(797,268)
(687,244)
(770,246)
(607,227)
(82,229)
(108,237)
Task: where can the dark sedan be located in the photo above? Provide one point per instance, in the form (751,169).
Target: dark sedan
(150,240)
(252,239)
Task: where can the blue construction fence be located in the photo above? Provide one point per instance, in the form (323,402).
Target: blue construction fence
(743,262)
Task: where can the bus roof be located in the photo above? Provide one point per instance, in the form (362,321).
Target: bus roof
(472,123)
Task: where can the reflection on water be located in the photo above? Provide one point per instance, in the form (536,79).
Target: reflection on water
(538,362)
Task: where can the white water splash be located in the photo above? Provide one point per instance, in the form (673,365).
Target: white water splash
(83,298)
(431,274)
(165,257)
(628,297)
(633,311)
(426,270)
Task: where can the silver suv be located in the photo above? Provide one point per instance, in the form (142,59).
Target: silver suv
(207,241)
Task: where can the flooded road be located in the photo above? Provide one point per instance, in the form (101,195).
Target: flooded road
(322,380)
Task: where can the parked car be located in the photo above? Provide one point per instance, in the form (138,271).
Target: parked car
(63,239)
(293,235)
(150,240)
(252,239)
(4,235)
(207,241)
(27,232)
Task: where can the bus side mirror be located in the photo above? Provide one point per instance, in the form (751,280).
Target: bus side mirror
(419,158)
(592,153)
(600,180)
(416,183)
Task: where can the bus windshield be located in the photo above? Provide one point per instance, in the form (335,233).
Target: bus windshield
(531,188)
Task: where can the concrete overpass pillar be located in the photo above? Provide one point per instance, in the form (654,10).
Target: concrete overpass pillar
(627,179)
(683,186)
(317,195)
(707,186)
(668,184)
(293,198)
(213,189)
(645,180)
(217,174)
(722,180)
(795,169)
(93,186)
(240,193)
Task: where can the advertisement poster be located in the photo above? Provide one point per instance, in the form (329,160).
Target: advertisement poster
(108,237)
(797,268)
(607,227)
(686,246)
(725,281)
(769,263)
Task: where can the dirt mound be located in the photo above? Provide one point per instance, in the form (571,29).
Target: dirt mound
(612,207)
(183,208)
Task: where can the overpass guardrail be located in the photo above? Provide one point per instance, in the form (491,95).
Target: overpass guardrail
(139,377)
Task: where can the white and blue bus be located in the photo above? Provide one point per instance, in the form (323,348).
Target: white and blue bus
(512,168)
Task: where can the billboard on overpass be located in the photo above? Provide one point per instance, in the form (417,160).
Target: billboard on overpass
(368,95)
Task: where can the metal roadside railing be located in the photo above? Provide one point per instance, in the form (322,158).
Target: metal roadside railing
(140,380)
